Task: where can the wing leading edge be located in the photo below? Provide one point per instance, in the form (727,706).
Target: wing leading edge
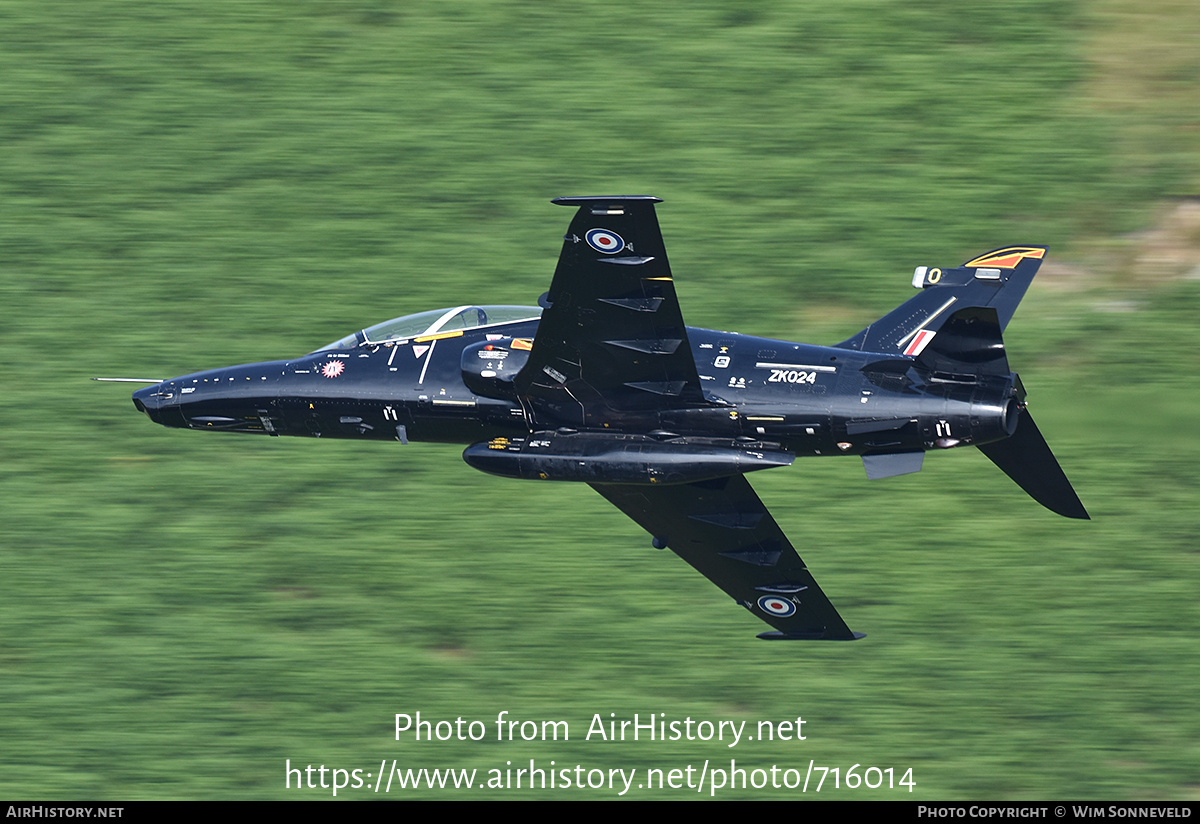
(725,532)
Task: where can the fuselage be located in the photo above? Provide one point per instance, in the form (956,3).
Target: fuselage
(448,385)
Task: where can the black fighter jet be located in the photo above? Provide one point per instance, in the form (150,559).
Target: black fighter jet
(603,383)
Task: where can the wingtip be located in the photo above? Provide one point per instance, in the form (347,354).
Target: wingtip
(776,635)
(577,200)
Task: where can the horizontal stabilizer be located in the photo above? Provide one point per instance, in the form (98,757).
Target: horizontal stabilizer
(1026,458)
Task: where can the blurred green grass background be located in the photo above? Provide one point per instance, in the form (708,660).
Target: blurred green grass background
(187,185)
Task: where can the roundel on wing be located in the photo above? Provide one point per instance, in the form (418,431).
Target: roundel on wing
(774,605)
(604,241)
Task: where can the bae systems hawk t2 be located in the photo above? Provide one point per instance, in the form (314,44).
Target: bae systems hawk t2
(603,383)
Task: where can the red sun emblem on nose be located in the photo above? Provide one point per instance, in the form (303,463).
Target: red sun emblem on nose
(333,369)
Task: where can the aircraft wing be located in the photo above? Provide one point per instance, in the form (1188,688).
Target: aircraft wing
(722,529)
(611,340)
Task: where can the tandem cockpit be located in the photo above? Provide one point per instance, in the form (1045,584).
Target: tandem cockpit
(434,322)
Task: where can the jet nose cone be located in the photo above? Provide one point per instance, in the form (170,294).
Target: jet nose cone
(146,397)
(160,402)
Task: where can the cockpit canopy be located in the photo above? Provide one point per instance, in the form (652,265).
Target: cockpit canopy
(433,322)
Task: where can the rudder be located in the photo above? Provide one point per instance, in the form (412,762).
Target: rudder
(996,280)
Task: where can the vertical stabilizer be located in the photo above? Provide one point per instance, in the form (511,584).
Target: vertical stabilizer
(996,280)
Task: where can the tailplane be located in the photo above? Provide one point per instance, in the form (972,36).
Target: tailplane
(953,332)
(1026,458)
